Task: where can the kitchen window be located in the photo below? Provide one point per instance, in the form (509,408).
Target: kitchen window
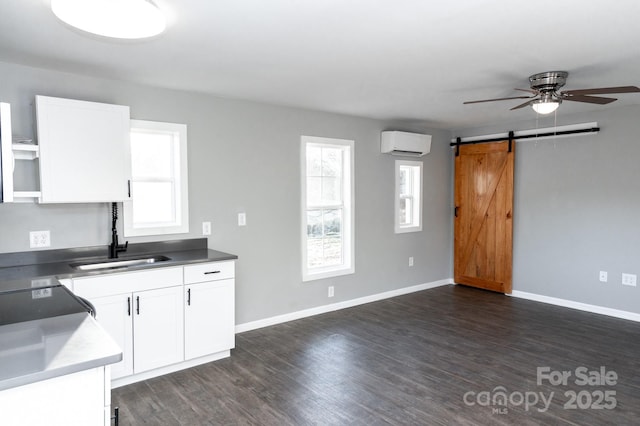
(159,195)
(408,199)
(327,207)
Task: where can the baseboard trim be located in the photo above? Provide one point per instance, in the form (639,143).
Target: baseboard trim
(577,305)
(127,380)
(279,319)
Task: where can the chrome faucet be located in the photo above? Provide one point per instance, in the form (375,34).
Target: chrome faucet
(114,247)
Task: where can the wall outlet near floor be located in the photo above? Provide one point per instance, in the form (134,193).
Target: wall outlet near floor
(629,279)
(411,261)
(330,291)
(603,276)
(242,219)
(206,228)
(39,239)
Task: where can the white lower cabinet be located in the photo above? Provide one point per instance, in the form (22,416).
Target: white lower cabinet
(148,326)
(208,318)
(165,319)
(113,313)
(77,399)
(158,328)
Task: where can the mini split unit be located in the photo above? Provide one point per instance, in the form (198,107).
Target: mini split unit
(405,143)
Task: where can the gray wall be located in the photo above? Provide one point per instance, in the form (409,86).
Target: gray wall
(576,209)
(245,156)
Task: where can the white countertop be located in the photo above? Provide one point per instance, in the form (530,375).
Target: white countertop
(37,350)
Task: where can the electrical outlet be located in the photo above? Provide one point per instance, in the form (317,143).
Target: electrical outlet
(242,219)
(603,276)
(330,291)
(411,261)
(39,239)
(206,228)
(629,279)
(41,293)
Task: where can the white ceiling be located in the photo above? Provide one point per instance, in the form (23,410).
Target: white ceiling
(388,59)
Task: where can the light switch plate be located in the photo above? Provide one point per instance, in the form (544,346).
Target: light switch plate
(629,279)
(242,219)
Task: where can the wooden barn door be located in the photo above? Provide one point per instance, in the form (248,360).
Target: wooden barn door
(483,222)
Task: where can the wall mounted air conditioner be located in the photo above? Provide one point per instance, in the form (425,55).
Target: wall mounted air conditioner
(404,143)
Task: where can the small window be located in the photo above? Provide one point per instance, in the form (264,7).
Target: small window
(159,200)
(408,208)
(327,207)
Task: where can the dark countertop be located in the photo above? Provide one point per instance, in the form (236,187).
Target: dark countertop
(39,303)
(51,265)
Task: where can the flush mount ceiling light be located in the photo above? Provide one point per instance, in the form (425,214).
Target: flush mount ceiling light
(126,19)
(546,104)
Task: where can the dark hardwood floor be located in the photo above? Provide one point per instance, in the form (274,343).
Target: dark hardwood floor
(436,357)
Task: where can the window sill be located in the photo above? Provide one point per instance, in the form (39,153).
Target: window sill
(408,229)
(313,276)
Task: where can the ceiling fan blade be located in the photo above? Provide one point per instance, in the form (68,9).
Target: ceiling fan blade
(588,99)
(603,90)
(527,90)
(524,104)
(497,99)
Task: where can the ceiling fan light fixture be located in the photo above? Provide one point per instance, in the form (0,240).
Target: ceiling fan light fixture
(543,108)
(546,104)
(124,19)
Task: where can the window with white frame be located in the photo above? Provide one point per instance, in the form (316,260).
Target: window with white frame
(327,207)
(408,200)
(159,188)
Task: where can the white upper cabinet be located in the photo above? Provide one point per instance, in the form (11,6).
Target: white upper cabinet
(84,151)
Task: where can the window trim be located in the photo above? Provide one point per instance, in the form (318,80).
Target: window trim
(181,186)
(348,225)
(400,229)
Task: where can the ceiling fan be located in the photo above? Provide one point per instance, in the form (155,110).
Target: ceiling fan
(547,97)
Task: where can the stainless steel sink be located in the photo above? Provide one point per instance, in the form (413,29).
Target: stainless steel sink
(118,263)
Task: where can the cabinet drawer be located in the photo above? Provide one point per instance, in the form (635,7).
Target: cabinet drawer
(127,282)
(208,272)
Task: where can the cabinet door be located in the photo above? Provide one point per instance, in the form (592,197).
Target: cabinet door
(73,399)
(114,314)
(158,328)
(84,151)
(209,318)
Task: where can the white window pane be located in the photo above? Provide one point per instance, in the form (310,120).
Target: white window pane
(314,223)
(314,191)
(331,162)
(332,246)
(153,203)
(152,155)
(314,161)
(314,252)
(332,220)
(324,237)
(405,211)
(332,251)
(405,178)
(331,190)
